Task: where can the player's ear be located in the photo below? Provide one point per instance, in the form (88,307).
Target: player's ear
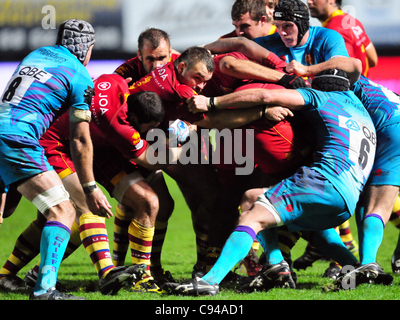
(139,54)
(263,20)
(181,67)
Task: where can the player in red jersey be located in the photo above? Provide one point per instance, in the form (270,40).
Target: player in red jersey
(119,151)
(357,42)
(279,147)
(154,50)
(252,18)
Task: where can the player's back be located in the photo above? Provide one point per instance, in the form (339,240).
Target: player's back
(382,104)
(44,85)
(346,140)
(354,35)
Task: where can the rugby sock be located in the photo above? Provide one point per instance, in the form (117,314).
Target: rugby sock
(212,256)
(158,241)
(347,237)
(121,237)
(287,240)
(54,240)
(201,244)
(395,217)
(329,243)
(370,237)
(73,244)
(235,249)
(141,242)
(93,234)
(269,241)
(26,248)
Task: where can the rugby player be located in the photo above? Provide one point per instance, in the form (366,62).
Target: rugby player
(45,82)
(357,42)
(284,204)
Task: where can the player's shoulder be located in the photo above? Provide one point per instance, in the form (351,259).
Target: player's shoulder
(270,40)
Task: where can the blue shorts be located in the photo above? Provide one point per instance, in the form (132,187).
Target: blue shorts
(21,158)
(308,201)
(386,169)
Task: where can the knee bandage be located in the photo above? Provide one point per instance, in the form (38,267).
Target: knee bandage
(264,201)
(50,198)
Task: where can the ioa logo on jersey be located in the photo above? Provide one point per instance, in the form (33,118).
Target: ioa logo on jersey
(103,86)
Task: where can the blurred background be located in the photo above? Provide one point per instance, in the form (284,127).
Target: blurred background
(26,25)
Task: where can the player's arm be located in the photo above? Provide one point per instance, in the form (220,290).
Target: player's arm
(235,118)
(254,97)
(158,155)
(372,55)
(352,66)
(82,156)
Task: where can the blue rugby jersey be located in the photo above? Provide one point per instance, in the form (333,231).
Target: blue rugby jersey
(322,44)
(383,105)
(346,140)
(44,85)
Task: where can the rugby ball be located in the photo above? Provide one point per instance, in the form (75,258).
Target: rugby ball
(178,133)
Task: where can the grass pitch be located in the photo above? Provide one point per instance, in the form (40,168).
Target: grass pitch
(78,274)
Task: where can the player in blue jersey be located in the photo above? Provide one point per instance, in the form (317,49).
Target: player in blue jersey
(375,206)
(317,197)
(45,84)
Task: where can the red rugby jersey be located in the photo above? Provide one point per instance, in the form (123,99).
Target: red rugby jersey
(133,68)
(164,82)
(109,125)
(354,36)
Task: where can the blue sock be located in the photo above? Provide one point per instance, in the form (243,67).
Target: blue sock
(370,237)
(235,249)
(268,239)
(331,245)
(54,241)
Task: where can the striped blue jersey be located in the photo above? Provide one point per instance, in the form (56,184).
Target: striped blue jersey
(44,85)
(346,140)
(383,105)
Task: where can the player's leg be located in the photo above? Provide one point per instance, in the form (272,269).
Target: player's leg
(47,193)
(373,212)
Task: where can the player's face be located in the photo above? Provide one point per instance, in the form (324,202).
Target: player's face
(88,56)
(196,77)
(319,8)
(270,8)
(288,32)
(153,58)
(248,28)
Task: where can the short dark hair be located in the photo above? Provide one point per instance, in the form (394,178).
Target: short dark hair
(154,36)
(256,9)
(193,55)
(147,106)
(339,3)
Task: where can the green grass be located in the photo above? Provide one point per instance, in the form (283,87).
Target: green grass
(78,273)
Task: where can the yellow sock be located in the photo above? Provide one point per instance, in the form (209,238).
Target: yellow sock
(121,237)
(93,234)
(26,248)
(141,242)
(395,217)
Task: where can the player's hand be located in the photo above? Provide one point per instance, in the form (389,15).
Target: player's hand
(98,204)
(297,68)
(291,81)
(197,104)
(278,113)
